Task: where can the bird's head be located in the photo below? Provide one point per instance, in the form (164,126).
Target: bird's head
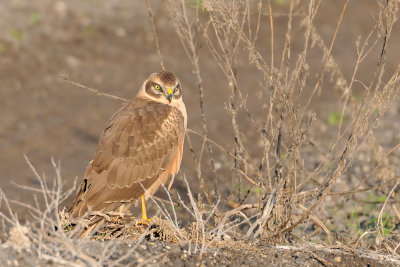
(163,86)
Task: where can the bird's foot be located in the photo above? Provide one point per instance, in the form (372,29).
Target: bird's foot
(144,221)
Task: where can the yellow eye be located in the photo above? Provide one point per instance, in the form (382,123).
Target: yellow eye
(175,90)
(157,87)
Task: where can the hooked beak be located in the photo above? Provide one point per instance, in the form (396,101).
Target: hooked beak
(169,95)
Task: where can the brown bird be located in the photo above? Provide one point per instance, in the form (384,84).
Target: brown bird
(140,148)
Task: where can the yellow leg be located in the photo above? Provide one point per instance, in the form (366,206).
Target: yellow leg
(144,213)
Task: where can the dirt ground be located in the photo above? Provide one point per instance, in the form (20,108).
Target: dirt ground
(164,254)
(109,45)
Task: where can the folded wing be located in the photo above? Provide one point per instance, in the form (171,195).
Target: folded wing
(140,147)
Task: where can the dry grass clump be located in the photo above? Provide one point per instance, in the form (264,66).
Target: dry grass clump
(126,227)
(51,234)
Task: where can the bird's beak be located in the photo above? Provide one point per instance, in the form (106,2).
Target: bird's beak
(169,95)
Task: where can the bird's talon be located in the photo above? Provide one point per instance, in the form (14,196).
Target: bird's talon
(144,221)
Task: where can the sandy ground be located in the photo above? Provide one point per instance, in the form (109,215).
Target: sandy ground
(164,254)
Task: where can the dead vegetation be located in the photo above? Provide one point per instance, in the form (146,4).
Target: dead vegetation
(290,191)
(286,184)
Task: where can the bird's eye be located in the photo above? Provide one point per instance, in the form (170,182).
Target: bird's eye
(157,87)
(175,90)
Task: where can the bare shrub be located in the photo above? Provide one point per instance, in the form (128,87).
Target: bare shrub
(292,193)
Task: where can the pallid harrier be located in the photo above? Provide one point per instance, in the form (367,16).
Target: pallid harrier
(140,148)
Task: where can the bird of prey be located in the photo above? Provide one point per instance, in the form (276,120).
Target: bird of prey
(140,148)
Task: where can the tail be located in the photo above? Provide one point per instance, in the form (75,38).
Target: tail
(79,207)
(79,227)
(85,219)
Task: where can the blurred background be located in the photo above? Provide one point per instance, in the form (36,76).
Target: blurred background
(109,45)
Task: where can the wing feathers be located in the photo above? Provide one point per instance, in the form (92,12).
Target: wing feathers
(141,145)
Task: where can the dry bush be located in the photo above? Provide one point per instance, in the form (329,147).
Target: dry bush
(293,191)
